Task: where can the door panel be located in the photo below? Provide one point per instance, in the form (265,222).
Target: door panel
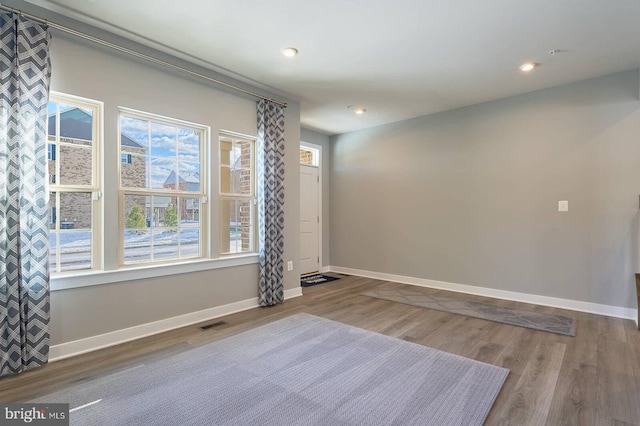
(309,217)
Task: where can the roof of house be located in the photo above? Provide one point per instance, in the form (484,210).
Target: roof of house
(77,124)
(183,178)
(127,141)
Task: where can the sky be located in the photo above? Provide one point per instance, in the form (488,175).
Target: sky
(168,147)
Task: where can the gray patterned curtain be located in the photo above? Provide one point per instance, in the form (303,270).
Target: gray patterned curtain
(271,202)
(24,231)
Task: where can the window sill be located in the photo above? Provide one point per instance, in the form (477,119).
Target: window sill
(64,281)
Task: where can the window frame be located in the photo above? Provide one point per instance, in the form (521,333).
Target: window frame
(106,266)
(202,194)
(225,196)
(95,189)
(51,149)
(315,153)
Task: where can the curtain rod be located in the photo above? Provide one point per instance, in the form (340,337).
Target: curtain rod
(137,54)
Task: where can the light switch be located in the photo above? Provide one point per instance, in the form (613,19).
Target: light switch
(563,206)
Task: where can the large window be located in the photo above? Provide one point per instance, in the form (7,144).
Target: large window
(237,194)
(162,188)
(161,203)
(74,199)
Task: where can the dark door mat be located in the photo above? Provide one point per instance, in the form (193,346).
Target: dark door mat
(314,279)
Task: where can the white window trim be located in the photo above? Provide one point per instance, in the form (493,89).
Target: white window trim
(205,219)
(97,177)
(226,196)
(312,147)
(77,279)
(124,273)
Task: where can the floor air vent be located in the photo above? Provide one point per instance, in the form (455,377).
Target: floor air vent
(212,325)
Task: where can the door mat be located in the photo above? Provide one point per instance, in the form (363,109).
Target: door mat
(314,279)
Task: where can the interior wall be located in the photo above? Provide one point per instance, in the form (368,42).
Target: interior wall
(81,69)
(316,138)
(471,196)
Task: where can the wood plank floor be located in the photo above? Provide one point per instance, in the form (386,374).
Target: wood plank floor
(590,379)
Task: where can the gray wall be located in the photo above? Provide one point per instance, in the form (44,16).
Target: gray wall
(471,196)
(316,138)
(84,70)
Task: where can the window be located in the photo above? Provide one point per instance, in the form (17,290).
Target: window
(51,152)
(162,188)
(74,201)
(309,156)
(237,194)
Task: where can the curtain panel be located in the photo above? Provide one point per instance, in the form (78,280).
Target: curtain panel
(24,225)
(271,202)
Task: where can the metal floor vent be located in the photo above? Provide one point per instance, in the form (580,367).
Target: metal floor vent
(212,325)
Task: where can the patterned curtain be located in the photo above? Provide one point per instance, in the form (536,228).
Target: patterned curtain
(271,202)
(24,207)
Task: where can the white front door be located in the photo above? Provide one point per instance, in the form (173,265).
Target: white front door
(309,220)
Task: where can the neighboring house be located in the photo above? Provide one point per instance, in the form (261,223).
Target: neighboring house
(184,182)
(133,170)
(74,168)
(190,210)
(240,183)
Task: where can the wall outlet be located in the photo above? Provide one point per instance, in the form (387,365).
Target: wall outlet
(290,265)
(563,206)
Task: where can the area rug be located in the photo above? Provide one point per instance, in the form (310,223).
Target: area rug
(300,370)
(558,324)
(310,280)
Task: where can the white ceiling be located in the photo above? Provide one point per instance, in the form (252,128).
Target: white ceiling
(396,58)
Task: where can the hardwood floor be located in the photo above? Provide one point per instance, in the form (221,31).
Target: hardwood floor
(590,379)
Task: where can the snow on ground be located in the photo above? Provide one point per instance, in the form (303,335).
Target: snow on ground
(73,241)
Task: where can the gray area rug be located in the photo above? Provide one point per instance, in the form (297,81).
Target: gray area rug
(301,370)
(558,324)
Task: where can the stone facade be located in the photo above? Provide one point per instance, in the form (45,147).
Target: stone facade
(244,176)
(133,174)
(75,157)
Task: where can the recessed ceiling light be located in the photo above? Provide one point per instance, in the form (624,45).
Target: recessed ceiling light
(290,52)
(528,66)
(357,110)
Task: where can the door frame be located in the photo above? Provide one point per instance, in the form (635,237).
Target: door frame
(319,149)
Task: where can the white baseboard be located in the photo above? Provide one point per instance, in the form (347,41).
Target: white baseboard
(324,269)
(291,293)
(573,305)
(93,343)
